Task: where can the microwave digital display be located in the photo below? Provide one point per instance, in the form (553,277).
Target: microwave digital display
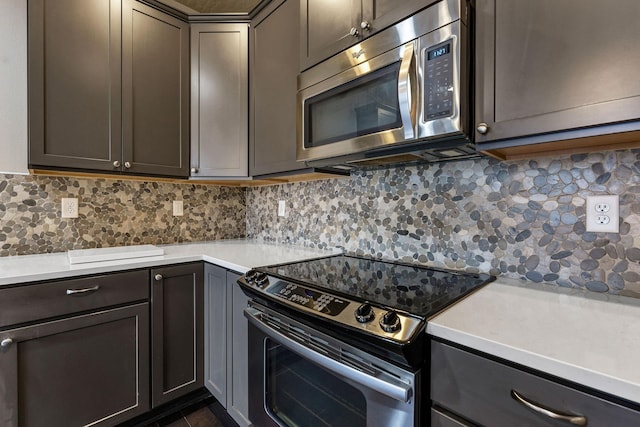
(439,51)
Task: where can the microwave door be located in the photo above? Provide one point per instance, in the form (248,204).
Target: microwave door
(369,106)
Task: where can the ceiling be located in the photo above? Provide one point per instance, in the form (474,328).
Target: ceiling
(191,7)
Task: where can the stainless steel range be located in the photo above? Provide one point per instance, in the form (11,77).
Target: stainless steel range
(340,340)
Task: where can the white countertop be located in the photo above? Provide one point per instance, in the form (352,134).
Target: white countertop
(584,337)
(237,255)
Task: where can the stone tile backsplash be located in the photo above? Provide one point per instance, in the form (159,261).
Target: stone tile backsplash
(522,219)
(112,213)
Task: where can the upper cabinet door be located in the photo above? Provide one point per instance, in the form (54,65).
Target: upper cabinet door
(546,66)
(327,27)
(74,84)
(380,14)
(155,81)
(275,35)
(219,100)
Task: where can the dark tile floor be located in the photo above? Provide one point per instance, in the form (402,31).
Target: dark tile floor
(201,414)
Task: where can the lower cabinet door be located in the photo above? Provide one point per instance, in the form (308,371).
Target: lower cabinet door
(215,329)
(82,370)
(177,331)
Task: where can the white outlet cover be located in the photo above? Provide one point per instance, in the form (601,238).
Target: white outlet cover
(178,208)
(594,222)
(282,206)
(69,207)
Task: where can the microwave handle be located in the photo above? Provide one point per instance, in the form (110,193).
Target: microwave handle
(406,95)
(397,391)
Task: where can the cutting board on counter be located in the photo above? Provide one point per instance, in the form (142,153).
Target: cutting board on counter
(80,256)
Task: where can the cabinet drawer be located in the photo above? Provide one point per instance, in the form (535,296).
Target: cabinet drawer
(32,302)
(480,390)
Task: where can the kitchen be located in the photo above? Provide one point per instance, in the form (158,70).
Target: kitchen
(515,219)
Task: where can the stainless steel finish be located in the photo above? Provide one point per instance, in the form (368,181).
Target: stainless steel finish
(6,342)
(354,32)
(409,325)
(407,42)
(365,25)
(407,90)
(116,164)
(83,290)
(378,380)
(577,420)
(482,128)
(127,165)
(457,122)
(158,277)
(194,170)
(437,15)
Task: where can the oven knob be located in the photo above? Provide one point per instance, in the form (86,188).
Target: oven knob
(390,322)
(250,276)
(261,279)
(364,313)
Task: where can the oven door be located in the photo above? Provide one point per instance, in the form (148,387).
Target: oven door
(370,105)
(300,377)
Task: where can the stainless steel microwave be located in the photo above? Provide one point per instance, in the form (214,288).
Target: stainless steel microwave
(401,95)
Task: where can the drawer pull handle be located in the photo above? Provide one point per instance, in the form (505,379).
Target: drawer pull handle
(82,291)
(6,342)
(577,420)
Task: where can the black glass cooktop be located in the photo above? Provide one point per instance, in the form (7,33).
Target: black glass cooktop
(414,289)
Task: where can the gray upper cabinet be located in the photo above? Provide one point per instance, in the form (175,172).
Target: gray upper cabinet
(155,80)
(274,70)
(550,71)
(219,100)
(108,90)
(74,84)
(330,27)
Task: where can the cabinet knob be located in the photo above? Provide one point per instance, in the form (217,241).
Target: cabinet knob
(158,277)
(194,170)
(127,165)
(116,164)
(365,25)
(483,128)
(6,342)
(354,32)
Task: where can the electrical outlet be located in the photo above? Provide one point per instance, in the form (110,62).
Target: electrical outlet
(282,206)
(69,207)
(178,208)
(603,214)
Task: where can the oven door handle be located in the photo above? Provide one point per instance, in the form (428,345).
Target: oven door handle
(406,90)
(395,390)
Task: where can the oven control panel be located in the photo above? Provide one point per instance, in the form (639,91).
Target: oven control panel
(361,316)
(310,298)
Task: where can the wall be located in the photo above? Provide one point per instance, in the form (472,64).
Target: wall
(520,219)
(111,213)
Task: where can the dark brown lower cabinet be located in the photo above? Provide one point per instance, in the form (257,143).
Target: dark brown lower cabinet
(177,331)
(468,389)
(90,369)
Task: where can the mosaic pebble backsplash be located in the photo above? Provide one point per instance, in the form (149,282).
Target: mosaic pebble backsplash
(523,219)
(112,213)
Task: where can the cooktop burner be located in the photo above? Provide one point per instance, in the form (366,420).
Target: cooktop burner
(378,305)
(413,289)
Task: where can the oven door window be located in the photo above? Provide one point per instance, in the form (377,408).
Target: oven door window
(366,105)
(299,393)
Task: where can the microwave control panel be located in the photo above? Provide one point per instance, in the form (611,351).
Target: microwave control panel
(438,86)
